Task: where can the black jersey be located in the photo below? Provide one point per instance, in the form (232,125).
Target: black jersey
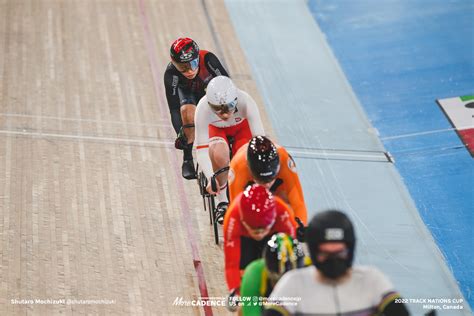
(181,90)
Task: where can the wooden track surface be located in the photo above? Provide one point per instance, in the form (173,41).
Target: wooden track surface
(91,206)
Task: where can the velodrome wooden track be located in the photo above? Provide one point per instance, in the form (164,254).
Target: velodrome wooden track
(92,205)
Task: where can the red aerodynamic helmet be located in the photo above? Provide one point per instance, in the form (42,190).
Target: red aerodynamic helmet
(257,206)
(184,50)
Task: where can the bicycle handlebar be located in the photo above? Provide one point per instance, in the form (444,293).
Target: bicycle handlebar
(300,231)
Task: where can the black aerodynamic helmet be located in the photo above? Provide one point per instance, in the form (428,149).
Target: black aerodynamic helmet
(184,50)
(263,159)
(281,254)
(330,226)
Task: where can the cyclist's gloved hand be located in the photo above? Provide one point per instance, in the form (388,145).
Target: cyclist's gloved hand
(181,141)
(300,231)
(213,185)
(233,300)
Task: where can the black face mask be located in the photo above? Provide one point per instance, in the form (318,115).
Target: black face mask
(333,267)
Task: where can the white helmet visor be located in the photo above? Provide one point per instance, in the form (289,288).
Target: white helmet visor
(224,108)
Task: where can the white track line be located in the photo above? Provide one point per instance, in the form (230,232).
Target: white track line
(165,122)
(418,134)
(325,154)
(84,137)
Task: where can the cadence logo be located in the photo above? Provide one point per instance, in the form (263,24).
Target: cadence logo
(460,112)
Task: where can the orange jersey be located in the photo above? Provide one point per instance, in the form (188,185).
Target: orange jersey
(234,230)
(287,185)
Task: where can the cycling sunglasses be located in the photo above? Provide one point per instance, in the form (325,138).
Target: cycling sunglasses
(224,108)
(184,67)
(342,254)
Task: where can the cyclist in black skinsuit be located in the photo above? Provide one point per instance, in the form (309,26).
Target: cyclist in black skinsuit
(186,78)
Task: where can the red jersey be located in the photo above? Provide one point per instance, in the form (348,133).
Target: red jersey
(234,230)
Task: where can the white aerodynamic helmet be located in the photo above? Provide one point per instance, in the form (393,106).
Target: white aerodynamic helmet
(222,95)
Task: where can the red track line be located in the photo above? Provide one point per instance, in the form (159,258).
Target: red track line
(185,214)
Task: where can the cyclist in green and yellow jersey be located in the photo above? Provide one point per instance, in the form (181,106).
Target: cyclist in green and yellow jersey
(281,254)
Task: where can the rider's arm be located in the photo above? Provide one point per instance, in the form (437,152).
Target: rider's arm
(385,297)
(391,307)
(292,185)
(253,115)
(232,231)
(285,222)
(239,174)
(214,66)
(201,141)
(251,286)
(171,80)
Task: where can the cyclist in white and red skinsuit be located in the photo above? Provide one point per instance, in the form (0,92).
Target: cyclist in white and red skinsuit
(225,111)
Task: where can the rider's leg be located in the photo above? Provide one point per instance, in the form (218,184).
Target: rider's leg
(179,128)
(242,136)
(187,117)
(219,156)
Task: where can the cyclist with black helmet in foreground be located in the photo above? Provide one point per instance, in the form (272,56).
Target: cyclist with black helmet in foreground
(281,254)
(224,112)
(253,216)
(186,78)
(333,286)
(272,166)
